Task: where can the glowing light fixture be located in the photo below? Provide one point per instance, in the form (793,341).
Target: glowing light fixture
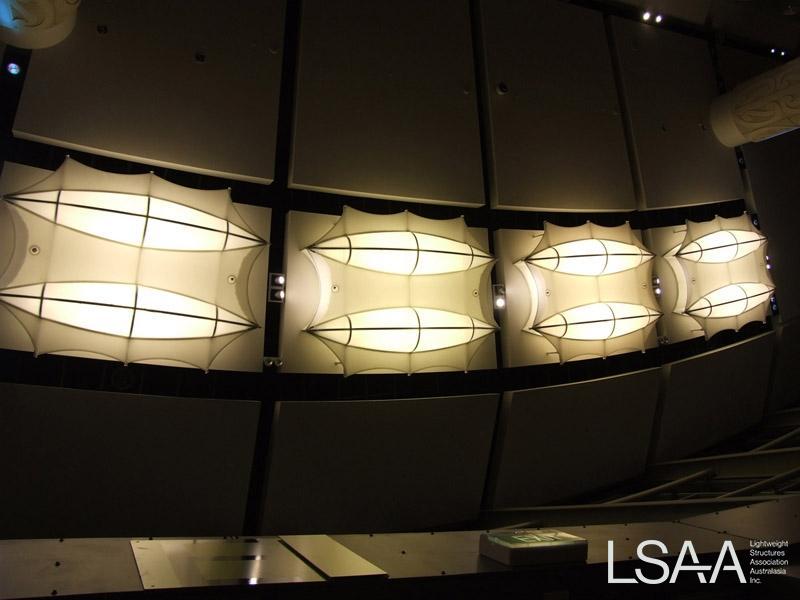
(404,329)
(590,257)
(722,273)
(133,268)
(402,253)
(646,15)
(591,291)
(125,310)
(499,293)
(137,220)
(399,293)
(722,246)
(598,321)
(731,300)
(13,68)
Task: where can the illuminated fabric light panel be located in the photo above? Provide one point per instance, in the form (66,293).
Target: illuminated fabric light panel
(132,268)
(586,292)
(722,281)
(386,293)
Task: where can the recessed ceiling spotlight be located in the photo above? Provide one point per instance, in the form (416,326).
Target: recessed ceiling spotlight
(659,18)
(646,15)
(773,51)
(783,52)
(13,68)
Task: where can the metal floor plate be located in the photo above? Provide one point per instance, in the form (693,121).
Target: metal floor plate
(31,568)
(330,557)
(422,554)
(197,563)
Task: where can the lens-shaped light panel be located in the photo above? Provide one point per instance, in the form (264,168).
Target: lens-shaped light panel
(402,253)
(722,246)
(590,257)
(598,321)
(125,310)
(403,329)
(731,300)
(137,220)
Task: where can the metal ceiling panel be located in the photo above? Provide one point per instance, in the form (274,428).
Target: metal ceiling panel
(377,465)
(669,84)
(560,441)
(557,134)
(160,82)
(385,102)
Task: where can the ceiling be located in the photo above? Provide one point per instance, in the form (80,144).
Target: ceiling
(768,22)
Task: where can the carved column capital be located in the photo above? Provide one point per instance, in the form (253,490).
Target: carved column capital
(760,108)
(37,23)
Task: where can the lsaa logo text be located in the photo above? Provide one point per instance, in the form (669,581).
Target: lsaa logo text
(726,561)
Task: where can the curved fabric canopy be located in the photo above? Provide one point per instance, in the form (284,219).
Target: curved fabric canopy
(131,267)
(598,321)
(722,246)
(590,290)
(125,310)
(402,253)
(731,300)
(721,273)
(590,257)
(138,220)
(405,329)
(401,293)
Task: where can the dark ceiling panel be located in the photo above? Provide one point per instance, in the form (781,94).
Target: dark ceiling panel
(669,84)
(713,396)
(564,440)
(77,463)
(556,126)
(189,85)
(775,181)
(385,101)
(377,465)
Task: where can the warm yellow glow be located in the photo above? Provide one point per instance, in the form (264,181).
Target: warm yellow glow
(598,321)
(590,257)
(137,220)
(125,310)
(731,300)
(402,253)
(403,329)
(722,246)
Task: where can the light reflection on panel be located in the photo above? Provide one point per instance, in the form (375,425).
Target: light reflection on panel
(165,564)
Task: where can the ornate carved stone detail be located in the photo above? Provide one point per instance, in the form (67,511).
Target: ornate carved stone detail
(759,108)
(37,23)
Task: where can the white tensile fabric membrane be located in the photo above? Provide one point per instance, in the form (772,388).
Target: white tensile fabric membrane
(590,257)
(411,294)
(591,290)
(722,246)
(402,253)
(136,219)
(125,310)
(100,238)
(598,321)
(403,329)
(721,272)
